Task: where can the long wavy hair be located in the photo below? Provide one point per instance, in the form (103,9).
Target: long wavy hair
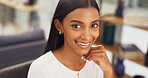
(64,7)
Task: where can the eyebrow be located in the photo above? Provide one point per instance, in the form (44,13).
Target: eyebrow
(76,21)
(82,22)
(95,21)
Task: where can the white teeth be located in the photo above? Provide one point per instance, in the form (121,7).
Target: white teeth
(83,44)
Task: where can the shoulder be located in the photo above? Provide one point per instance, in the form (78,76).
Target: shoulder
(42,60)
(38,66)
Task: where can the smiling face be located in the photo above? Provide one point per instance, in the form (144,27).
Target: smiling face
(80,29)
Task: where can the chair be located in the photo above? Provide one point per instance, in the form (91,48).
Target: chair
(16,71)
(21,48)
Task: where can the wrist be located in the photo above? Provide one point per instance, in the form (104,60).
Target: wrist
(108,74)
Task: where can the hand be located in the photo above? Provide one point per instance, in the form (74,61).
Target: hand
(98,55)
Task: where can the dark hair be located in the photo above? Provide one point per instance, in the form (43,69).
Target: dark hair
(64,7)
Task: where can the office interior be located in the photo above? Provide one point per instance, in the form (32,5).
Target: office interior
(19,17)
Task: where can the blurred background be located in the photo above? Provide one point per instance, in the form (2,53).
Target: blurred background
(25,27)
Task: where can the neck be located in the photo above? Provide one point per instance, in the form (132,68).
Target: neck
(71,56)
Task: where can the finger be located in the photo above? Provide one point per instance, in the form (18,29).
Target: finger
(95,54)
(86,55)
(97,62)
(95,51)
(98,50)
(96,58)
(97,47)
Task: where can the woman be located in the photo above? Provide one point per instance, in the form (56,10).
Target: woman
(68,54)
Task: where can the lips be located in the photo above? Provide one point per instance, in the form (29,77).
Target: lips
(83,44)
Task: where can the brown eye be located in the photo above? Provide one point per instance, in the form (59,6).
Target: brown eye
(76,26)
(94,26)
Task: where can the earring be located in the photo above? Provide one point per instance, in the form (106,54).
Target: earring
(60,33)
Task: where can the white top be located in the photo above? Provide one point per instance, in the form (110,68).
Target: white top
(48,66)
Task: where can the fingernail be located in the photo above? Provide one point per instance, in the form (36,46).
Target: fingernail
(82,57)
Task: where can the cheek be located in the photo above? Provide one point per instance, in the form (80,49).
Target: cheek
(70,35)
(96,36)
(95,33)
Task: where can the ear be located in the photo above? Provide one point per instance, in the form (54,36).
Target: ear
(58,25)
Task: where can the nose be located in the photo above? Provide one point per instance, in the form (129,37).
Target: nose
(86,35)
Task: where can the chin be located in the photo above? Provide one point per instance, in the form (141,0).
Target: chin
(84,52)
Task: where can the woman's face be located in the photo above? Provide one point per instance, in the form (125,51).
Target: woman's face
(81,29)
